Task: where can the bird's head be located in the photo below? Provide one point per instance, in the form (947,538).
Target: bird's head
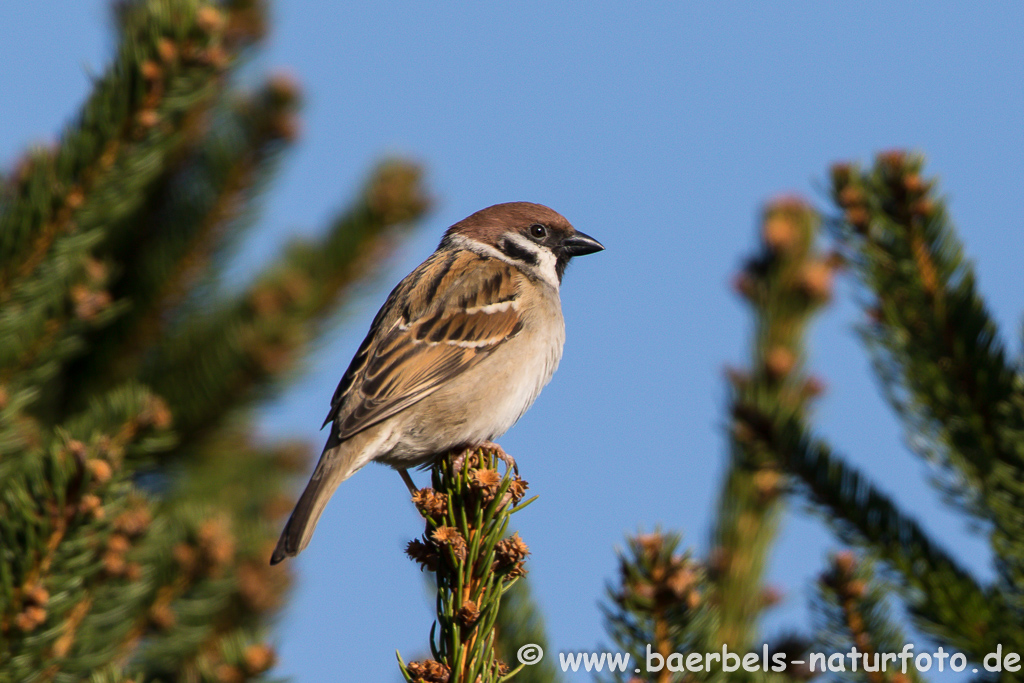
(533,237)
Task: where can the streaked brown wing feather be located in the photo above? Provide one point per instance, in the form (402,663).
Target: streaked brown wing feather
(433,327)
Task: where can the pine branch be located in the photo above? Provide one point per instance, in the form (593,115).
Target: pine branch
(660,601)
(945,599)
(198,578)
(936,345)
(854,612)
(183,228)
(222,362)
(63,205)
(62,504)
(170,55)
(120,560)
(785,284)
(207,565)
(467,514)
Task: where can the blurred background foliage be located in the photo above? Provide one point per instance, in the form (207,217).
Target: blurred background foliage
(137,510)
(937,353)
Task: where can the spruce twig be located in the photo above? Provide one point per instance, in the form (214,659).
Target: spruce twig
(940,357)
(660,601)
(785,283)
(943,597)
(466,544)
(854,610)
(135,503)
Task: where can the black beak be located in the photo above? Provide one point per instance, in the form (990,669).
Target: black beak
(580,244)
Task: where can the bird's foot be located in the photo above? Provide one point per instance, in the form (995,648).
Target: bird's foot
(499,452)
(409,483)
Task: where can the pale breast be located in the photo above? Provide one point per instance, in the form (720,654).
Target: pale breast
(485,401)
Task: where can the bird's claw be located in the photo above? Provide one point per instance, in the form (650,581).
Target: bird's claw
(458,462)
(499,452)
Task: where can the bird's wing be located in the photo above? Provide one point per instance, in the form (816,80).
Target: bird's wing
(444,318)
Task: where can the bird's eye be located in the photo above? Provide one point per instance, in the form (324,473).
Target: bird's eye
(538,231)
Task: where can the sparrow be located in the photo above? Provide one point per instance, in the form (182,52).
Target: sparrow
(459,351)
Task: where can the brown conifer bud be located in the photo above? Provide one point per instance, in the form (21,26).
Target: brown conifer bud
(814,387)
(36,594)
(167,50)
(468,613)
(283,88)
(517,571)
(162,617)
(30,618)
(681,580)
(780,234)
(767,483)
(745,284)
(90,504)
(209,19)
(485,479)
(118,543)
(226,673)
(913,183)
(855,589)
(150,70)
(425,554)
(216,542)
(511,549)
(100,470)
(450,536)
(216,56)
(771,596)
(429,671)
(114,563)
(779,362)
(88,303)
(486,482)
(156,413)
(922,207)
(133,522)
(258,658)
(859,218)
(892,160)
(651,544)
(147,118)
(77,449)
(516,490)
(845,562)
(850,196)
(430,503)
(185,555)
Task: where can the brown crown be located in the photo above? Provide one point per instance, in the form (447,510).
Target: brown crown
(487,225)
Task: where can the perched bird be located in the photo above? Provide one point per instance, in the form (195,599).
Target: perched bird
(458,352)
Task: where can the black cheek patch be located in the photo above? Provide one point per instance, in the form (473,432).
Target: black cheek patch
(518,253)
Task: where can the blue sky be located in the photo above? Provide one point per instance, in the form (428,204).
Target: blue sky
(659,128)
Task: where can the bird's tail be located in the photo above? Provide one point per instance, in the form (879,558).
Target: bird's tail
(332,469)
